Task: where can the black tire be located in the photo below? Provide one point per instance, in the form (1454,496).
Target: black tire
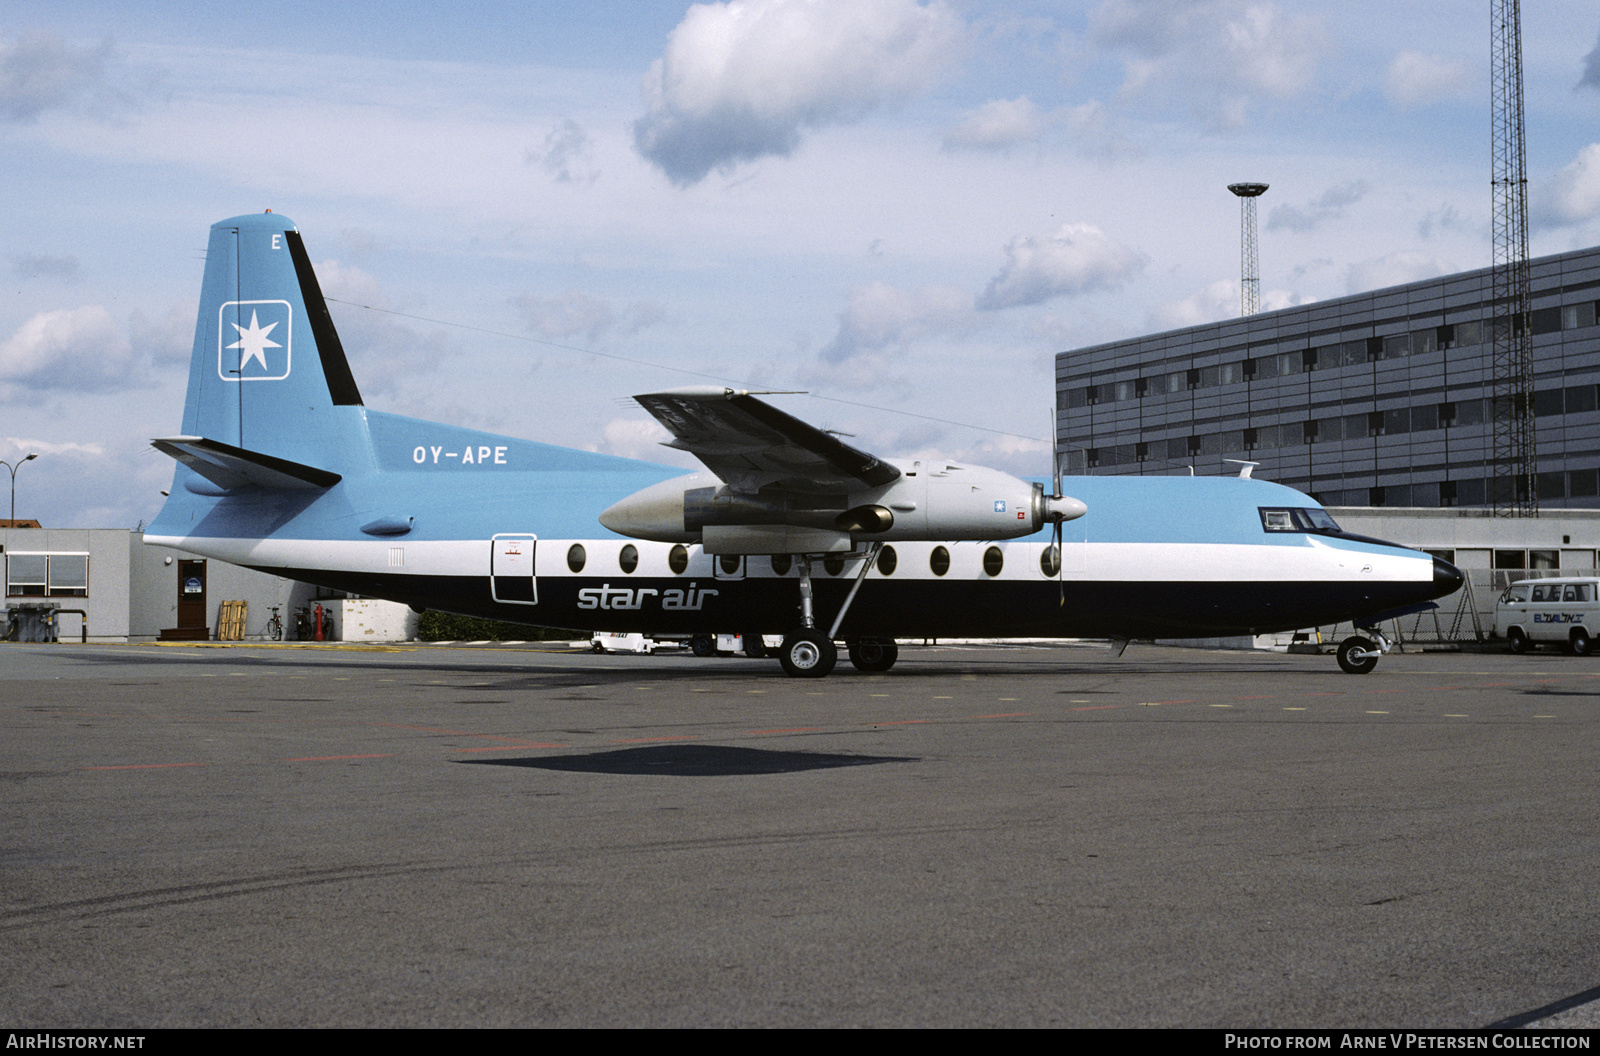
(1581,644)
(808,654)
(873,654)
(754,647)
(1519,641)
(1353,665)
(703,645)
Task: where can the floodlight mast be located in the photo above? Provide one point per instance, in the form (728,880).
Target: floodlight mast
(1249,262)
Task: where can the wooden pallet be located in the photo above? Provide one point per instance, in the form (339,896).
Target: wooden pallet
(230,621)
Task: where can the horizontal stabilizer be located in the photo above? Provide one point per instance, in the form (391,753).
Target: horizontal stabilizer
(231,467)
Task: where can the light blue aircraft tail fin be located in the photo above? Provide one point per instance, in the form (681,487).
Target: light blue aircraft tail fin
(268,376)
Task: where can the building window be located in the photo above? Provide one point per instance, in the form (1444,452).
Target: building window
(47,575)
(1447,415)
(1375,496)
(1194,446)
(1375,428)
(1308,432)
(1141,388)
(1141,451)
(1091,456)
(1249,439)
(1510,559)
(1091,395)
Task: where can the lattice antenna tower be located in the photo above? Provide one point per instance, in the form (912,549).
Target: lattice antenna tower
(1514,484)
(1249,261)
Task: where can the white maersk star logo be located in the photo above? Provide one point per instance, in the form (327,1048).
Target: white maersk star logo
(259,350)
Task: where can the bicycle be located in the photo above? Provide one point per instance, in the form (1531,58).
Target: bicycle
(275,625)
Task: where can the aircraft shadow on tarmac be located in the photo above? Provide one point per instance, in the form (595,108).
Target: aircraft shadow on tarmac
(694,760)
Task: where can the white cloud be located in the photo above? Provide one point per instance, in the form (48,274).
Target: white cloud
(44,265)
(1220,300)
(634,438)
(1415,80)
(575,314)
(568,155)
(78,349)
(1571,196)
(1079,258)
(384,351)
(741,80)
(1591,69)
(881,317)
(1395,269)
(997,125)
(42,72)
(1329,206)
(1214,57)
(20,446)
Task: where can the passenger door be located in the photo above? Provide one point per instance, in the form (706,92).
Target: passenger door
(511,573)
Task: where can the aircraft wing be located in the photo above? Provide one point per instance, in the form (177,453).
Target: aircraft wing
(751,444)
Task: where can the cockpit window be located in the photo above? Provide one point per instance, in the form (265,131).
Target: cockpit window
(1291,519)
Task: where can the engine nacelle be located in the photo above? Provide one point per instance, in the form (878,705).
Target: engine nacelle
(930,501)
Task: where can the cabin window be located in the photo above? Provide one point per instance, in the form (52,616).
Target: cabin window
(887,560)
(628,559)
(730,564)
(781,564)
(993,561)
(1050,562)
(678,559)
(576,556)
(939,561)
(833,564)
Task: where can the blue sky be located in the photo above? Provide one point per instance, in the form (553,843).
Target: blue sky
(904,208)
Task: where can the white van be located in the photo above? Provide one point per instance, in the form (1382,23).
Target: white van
(1562,611)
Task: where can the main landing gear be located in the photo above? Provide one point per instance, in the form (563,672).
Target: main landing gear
(808,653)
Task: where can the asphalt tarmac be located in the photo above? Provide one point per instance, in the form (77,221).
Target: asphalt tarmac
(249,835)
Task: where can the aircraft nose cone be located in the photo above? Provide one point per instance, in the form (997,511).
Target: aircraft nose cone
(1447,578)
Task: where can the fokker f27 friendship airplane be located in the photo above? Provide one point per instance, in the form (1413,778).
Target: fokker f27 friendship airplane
(282,468)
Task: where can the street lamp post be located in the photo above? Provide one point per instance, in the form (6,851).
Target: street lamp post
(13,470)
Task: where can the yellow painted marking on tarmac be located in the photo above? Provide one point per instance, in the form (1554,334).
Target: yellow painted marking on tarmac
(1294,709)
(1377,713)
(944,698)
(1544,716)
(755,691)
(1149,704)
(1450,716)
(877,694)
(1219,705)
(1011,699)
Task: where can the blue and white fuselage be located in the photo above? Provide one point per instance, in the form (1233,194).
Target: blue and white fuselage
(283,468)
